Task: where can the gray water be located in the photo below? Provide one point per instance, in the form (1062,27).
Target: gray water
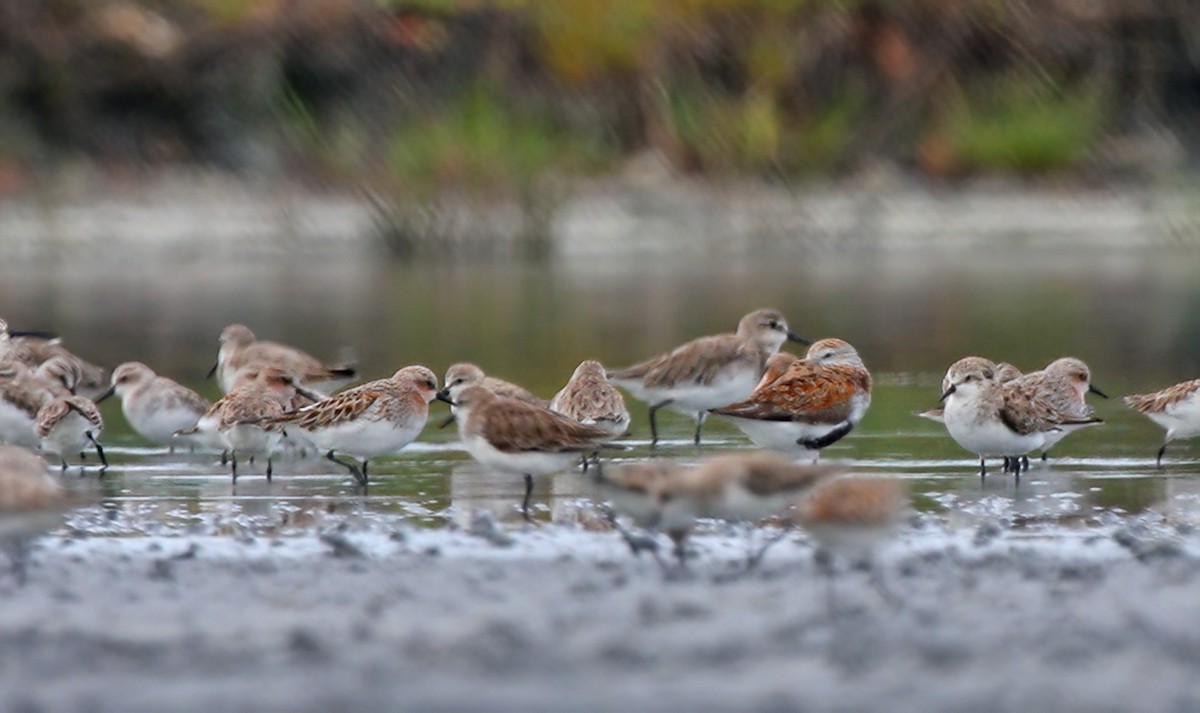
(1132,316)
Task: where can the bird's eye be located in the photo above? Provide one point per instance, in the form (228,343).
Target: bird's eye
(969,377)
(827,355)
(430,383)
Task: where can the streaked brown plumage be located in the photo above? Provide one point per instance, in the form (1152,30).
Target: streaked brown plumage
(513,426)
(460,376)
(590,399)
(240,349)
(521,438)
(1161,401)
(377,418)
(1175,408)
(65,424)
(709,372)
(814,403)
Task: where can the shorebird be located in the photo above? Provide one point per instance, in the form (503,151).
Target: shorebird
(1004,372)
(517,437)
(1063,384)
(1175,408)
(709,372)
(591,400)
(155,406)
(987,419)
(460,376)
(848,516)
(811,405)
(23,391)
(239,418)
(743,487)
(31,502)
(374,419)
(736,488)
(240,348)
(65,424)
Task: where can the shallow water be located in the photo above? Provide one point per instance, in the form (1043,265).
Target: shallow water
(1132,316)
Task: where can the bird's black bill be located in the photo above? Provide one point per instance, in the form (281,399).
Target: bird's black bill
(792,336)
(947,393)
(107,392)
(212,371)
(1097,392)
(444,395)
(32,334)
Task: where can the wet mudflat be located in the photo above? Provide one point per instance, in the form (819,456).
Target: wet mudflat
(177,590)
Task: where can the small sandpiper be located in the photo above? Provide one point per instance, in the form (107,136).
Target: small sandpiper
(709,372)
(815,403)
(239,418)
(1063,384)
(590,399)
(521,438)
(463,374)
(155,406)
(31,502)
(989,420)
(239,348)
(1175,408)
(65,424)
(371,420)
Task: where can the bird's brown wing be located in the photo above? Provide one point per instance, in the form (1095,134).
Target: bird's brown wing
(697,362)
(1160,401)
(339,408)
(512,426)
(806,392)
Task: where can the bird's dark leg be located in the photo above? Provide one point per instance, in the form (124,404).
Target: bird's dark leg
(1161,451)
(756,557)
(654,422)
(982,468)
(251,460)
(268,469)
(233,464)
(364,470)
(225,457)
(99,451)
(528,492)
(699,426)
(1045,455)
(351,466)
(1025,460)
(18,556)
(83,456)
(64,463)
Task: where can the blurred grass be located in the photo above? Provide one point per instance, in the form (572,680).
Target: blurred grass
(478,151)
(1023,124)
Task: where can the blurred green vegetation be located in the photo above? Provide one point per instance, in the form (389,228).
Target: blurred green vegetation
(421,103)
(1024,125)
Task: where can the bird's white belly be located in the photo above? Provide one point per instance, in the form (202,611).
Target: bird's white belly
(731,385)
(69,435)
(1181,419)
(526,462)
(250,440)
(782,435)
(362,438)
(16,427)
(160,425)
(990,437)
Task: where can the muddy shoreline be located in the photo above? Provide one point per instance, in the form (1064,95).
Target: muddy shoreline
(561,618)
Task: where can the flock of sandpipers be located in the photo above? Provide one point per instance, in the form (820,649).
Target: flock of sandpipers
(277,402)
